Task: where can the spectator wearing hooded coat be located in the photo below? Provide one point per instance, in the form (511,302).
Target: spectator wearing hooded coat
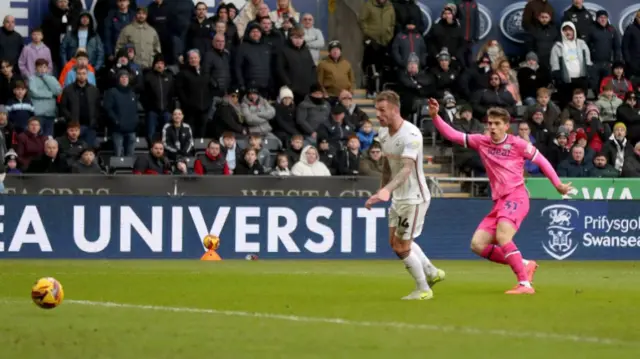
(311,113)
(597,132)
(570,62)
(121,106)
(257,113)
(621,85)
(475,77)
(83,36)
(296,68)
(310,164)
(61,18)
(541,132)
(631,166)
(557,151)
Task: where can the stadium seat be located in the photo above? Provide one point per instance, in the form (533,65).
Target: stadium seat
(121,165)
(200,144)
(242,143)
(520,110)
(272,144)
(190,161)
(271,163)
(141,145)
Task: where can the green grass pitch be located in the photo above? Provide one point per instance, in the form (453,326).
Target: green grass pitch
(317,309)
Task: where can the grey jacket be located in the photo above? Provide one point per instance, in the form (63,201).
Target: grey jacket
(558,67)
(257,116)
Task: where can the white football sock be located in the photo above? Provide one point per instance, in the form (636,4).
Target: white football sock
(525,262)
(414,267)
(427,266)
(525,283)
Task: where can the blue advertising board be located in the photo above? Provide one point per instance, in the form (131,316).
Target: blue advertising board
(500,19)
(296,228)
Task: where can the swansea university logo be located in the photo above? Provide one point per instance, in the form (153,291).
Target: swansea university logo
(626,17)
(511,22)
(485,21)
(561,219)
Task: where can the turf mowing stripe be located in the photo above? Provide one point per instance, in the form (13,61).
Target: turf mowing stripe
(293,318)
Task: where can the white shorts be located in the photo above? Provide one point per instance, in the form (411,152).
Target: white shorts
(408,219)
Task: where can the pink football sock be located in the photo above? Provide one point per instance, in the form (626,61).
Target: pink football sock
(513,257)
(493,253)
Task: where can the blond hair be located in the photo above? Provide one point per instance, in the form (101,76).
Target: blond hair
(389,96)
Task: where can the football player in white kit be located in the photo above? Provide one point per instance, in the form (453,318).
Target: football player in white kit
(403,176)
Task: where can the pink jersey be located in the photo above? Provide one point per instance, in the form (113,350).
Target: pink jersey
(503,161)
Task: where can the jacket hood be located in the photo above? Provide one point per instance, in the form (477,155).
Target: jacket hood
(572,26)
(303,156)
(92,25)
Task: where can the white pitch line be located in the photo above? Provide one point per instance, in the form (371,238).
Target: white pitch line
(340,321)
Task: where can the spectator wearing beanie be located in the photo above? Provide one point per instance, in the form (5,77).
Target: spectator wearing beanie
(604,43)
(582,140)
(355,116)
(445,76)
(557,151)
(413,85)
(608,104)
(446,33)
(121,106)
(86,163)
(336,130)
(531,77)
(284,124)
(312,113)
(540,131)
(616,149)
(334,72)
(228,116)
(158,97)
(253,61)
(631,166)
(296,68)
(11,162)
(122,62)
(629,114)
(597,132)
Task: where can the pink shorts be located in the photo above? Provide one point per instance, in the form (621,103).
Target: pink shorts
(512,208)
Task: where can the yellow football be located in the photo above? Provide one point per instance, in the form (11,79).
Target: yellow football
(47,293)
(211,242)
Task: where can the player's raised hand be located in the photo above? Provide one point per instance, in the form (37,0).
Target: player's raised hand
(564,188)
(434,107)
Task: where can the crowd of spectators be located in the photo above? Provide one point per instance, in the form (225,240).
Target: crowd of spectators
(134,88)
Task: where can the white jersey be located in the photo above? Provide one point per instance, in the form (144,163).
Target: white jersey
(406,143)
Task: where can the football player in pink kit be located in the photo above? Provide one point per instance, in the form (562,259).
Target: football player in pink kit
(503,156)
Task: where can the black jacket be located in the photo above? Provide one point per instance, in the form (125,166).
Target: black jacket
(406,43)
(604,43)
(243,168)
(631,118)
(469,17)
(571,168)
(631,46)
(461,153)
(540,40)
(473,79)
(194,89)
(407,11)
(296,68)
(530,80)
(556,154)
(199,35)
(226,118)
(284,124)
(631,166)
(159,17)
(582,20)
(347,163)
(159,91)
(484,99)
(445,35)
(11,44)
(445,81)
(70,104)
(7,86)
(121,106)
(178,141)
(335,133)
(218,65)
(102,8)
(46,164)
(53,27)
(253,63)
(70,151)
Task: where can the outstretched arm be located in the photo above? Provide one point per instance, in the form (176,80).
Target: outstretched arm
(547,169)
(443,127)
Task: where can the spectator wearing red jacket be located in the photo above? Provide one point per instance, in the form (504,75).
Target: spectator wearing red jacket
(212,162)
(621,85)
(153,163)
(597,132)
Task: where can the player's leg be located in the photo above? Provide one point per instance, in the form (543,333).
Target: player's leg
(484,245)
(434,275)
(400,228)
